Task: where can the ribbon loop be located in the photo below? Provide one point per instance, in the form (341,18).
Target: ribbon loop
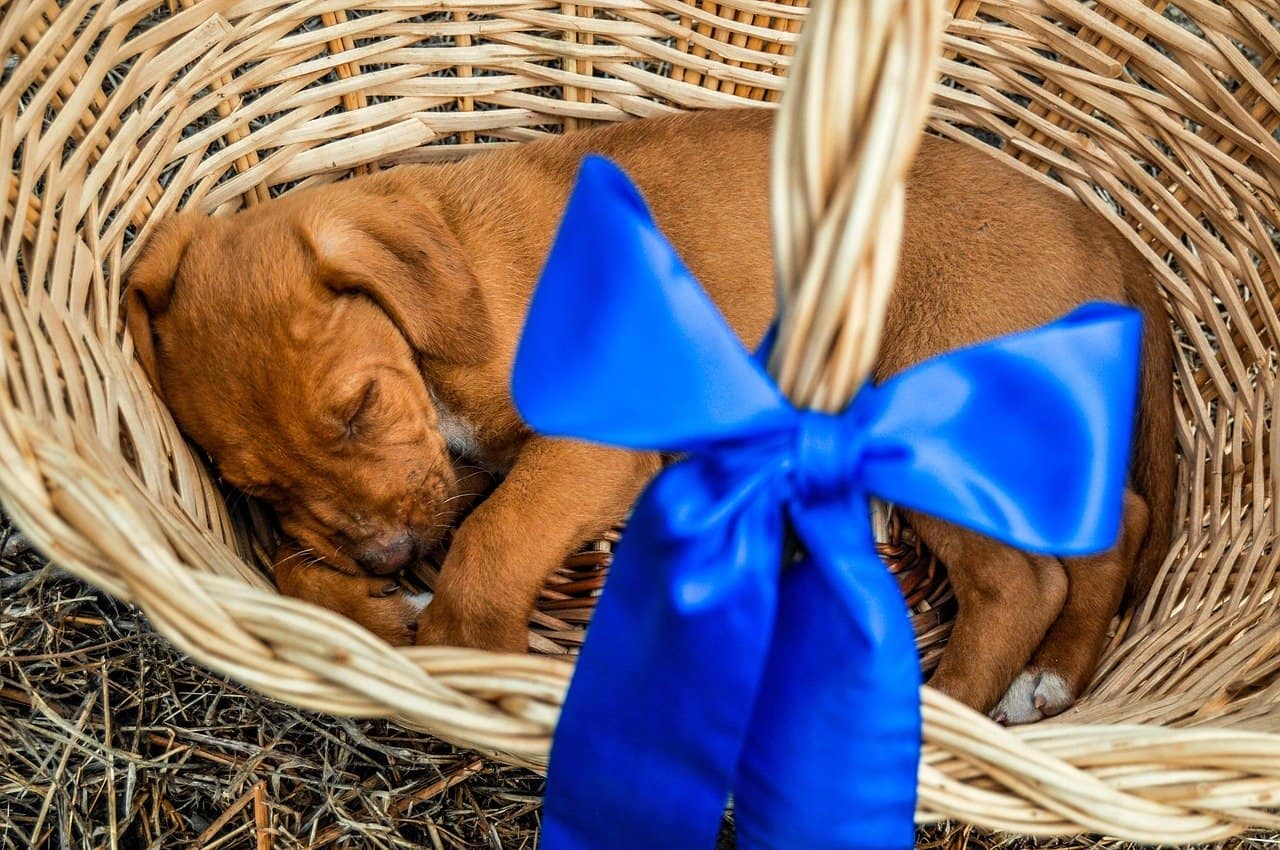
(615,293)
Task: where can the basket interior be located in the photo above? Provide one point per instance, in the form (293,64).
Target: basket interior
(1163,119)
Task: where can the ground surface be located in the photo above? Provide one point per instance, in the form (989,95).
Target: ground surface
(110,738)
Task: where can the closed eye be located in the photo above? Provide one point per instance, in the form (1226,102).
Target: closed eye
(360,408)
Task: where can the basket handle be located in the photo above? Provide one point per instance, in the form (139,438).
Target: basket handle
(850,122)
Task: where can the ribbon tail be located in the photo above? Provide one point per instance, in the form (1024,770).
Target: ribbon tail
(652,726)
(832,755)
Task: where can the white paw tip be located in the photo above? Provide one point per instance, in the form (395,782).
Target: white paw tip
(1018,705)
(1052,694)
(1033,696)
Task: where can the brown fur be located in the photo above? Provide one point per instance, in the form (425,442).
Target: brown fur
(263,331)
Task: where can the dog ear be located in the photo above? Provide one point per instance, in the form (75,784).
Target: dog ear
(400,253)
(150,285)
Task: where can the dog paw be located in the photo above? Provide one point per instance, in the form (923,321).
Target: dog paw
(390,611)
(1034,695)
(438,626)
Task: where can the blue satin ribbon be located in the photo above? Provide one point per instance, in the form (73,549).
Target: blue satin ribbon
(711,671)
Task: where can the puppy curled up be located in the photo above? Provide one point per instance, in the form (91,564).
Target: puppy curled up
(334,351)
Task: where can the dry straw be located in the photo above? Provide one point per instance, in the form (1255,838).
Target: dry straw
(117,112)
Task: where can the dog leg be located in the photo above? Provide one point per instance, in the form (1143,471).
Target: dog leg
(380,604)
(1007,602)
(558,494)
(1065,661)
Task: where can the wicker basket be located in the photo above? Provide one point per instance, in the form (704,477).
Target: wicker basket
(115,113)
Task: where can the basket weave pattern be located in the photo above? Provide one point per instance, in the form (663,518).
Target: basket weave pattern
(118,112)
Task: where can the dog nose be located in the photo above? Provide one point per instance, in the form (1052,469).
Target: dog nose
(390,555)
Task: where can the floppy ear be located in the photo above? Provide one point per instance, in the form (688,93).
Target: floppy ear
(151,285)
(400,253)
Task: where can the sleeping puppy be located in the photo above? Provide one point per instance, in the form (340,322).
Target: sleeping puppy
(332,349)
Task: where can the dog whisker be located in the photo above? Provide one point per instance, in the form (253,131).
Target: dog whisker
(301,553)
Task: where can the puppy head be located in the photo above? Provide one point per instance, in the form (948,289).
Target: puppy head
(287,341)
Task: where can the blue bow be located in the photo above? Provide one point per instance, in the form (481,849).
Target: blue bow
(710,670)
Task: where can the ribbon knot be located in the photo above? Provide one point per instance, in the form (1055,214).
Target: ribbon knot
(708,670)
(828,455)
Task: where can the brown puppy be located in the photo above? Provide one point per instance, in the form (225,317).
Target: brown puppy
(328,349)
